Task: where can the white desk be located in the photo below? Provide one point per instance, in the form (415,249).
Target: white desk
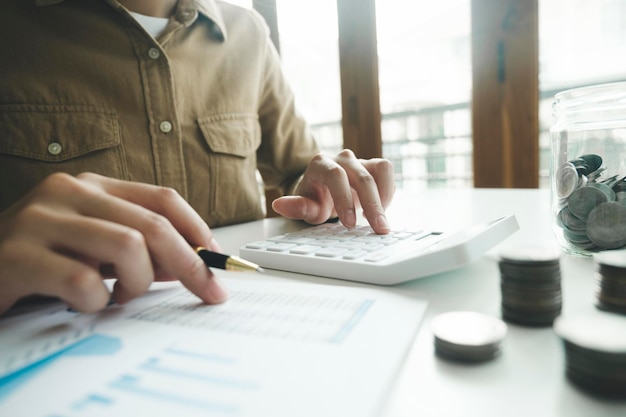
(528,379)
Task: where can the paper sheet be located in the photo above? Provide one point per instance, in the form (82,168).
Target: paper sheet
(274,349)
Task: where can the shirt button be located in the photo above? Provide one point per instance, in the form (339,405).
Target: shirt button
(154,53)
(55,148)
(165,126)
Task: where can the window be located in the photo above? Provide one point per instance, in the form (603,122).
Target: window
(310,56)
(580,43)
(425,86)
(424,51)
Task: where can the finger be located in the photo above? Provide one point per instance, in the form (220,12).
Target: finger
(382,171)
(108,271)
(170,250)
(103,242)
(362,181)
(164,201)
(33,269)
(300,208)
(166,245)
(326,184)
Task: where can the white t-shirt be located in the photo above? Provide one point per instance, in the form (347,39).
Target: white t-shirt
(153,25)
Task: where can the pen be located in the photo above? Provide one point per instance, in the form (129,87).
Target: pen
(227,262)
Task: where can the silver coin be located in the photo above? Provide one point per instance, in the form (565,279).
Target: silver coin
(620,185)
(593,177)
(570,222)
(579,239)
(529,318)
(531,254)
(465,353)
(581,166)
(533,273)
(606,225)
(620,197)
(614,258)
(593,161)
(467,328)
(615,300)
(599,331)
(610,181)
(534,306)
(566,180)
(587,245)
(585,199)
(606,189)
(538,288)
(612,387)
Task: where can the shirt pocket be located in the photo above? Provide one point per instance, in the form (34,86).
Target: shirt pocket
(38,140)
(234,188)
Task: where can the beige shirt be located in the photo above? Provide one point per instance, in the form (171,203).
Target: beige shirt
(83,87)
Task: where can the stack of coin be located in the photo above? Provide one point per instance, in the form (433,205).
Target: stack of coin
(611,268)
(595,352)
(467,336)
(592,211)
(530,282)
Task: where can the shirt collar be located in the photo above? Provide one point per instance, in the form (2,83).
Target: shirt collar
(186,13)
(210,10)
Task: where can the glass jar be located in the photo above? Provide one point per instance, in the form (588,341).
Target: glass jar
(588,169)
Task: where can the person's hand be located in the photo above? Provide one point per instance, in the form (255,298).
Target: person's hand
(69,233)
(337,186)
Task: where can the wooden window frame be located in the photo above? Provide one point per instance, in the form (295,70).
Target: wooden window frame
(505,86)
(505,93)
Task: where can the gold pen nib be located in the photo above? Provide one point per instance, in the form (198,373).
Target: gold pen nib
(235,263)
(230,263)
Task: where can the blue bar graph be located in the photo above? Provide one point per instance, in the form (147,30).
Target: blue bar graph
(201,356)
(153,365)
(130,384)
(344,331)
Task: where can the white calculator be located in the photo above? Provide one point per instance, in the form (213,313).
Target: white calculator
(358,254)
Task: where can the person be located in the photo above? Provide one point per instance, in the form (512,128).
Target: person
(130,128)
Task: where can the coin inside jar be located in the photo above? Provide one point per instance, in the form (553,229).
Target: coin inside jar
(606,225)
(585,199)
(566,180)
(593,162)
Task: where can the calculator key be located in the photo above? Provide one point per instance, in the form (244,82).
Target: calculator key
(373,247)
(277,238)
(321,233)
(300,240)
(304,249)
(339,237)
(330,252)
(356,233)
(281,247)
(354,254)
(297,240)
(261,244)
(366,238)
(323,242)
(376,257)
(388,241)
(404,235)
(349,245)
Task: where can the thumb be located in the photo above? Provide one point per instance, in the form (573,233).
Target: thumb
(300,208)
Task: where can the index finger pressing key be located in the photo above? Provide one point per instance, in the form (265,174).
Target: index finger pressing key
(367,188)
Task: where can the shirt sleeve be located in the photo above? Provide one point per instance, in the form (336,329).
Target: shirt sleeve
(286,142)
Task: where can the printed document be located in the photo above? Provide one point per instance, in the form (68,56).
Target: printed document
(273,349)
